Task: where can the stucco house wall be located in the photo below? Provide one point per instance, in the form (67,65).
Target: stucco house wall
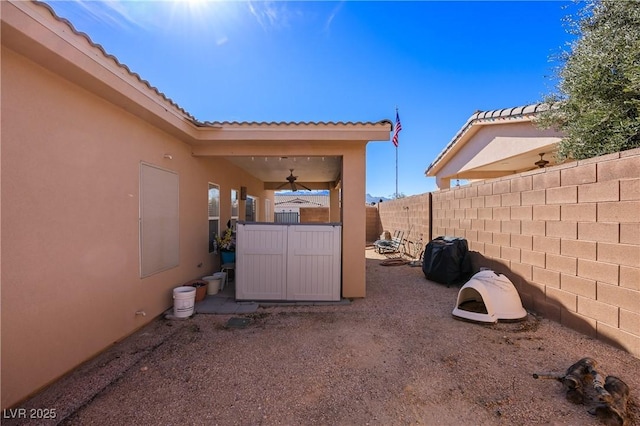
(567,236)
(70,192)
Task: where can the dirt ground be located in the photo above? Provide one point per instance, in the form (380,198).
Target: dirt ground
(396,357)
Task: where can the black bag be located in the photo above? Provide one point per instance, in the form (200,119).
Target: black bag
(447,260)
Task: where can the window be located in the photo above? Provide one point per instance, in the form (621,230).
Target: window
(159,220)
(251,209)
(235,209)
(214,214)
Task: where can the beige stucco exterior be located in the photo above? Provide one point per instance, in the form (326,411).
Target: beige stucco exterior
(76,126)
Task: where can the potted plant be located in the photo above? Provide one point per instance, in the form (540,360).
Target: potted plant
(201,288)
(227,245)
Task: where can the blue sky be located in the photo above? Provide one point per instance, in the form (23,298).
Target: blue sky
(438,62)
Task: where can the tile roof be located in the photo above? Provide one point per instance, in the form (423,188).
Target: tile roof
(299,200)
(295,123)
(510,112)
(187,115)
(485,117)
(114,59)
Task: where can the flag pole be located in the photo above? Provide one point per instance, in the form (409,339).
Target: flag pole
(396,170)
(395,138)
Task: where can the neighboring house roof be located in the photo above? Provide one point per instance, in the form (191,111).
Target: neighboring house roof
(495,143)
(296,200)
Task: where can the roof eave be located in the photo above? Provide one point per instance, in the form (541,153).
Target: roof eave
(475,122)
(34,30)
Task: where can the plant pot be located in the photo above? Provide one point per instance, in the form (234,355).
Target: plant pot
(227,256)
(201,288)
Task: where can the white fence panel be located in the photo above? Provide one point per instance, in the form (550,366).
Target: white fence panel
(288,262)
(313,263)
(261,262)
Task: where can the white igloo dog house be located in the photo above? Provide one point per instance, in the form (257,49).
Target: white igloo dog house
(489,297)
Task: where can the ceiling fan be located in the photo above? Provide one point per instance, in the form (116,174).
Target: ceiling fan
(291,180)
(541,162)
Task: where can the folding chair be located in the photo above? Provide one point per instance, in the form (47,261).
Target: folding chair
(390,246)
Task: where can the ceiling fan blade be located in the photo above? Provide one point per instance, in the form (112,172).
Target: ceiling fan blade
(305,187)
(282,185)
(293,186)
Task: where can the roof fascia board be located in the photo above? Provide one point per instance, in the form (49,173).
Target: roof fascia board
(267,148)
(270,132)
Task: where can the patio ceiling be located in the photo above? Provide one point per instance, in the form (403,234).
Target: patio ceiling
(506,166)
(318,152)
(316,172)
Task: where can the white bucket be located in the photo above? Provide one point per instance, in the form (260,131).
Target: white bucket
(214,284)
(223,278)
(184,300)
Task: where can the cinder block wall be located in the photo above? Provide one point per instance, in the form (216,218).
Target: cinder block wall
(568,237)
(407,214)
(373,224)
(314,214)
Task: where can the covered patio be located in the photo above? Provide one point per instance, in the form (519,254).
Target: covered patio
(322,156)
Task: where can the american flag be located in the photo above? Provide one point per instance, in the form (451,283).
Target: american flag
(397,130)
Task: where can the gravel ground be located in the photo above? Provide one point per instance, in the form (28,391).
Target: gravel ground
(396,357)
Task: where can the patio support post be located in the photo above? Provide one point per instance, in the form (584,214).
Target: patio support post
(334,205)
(353,222)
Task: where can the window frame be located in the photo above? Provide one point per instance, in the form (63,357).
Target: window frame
(212,218)
(252,201)
(235,204)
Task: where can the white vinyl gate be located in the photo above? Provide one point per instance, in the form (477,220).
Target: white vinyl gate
(288,262)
